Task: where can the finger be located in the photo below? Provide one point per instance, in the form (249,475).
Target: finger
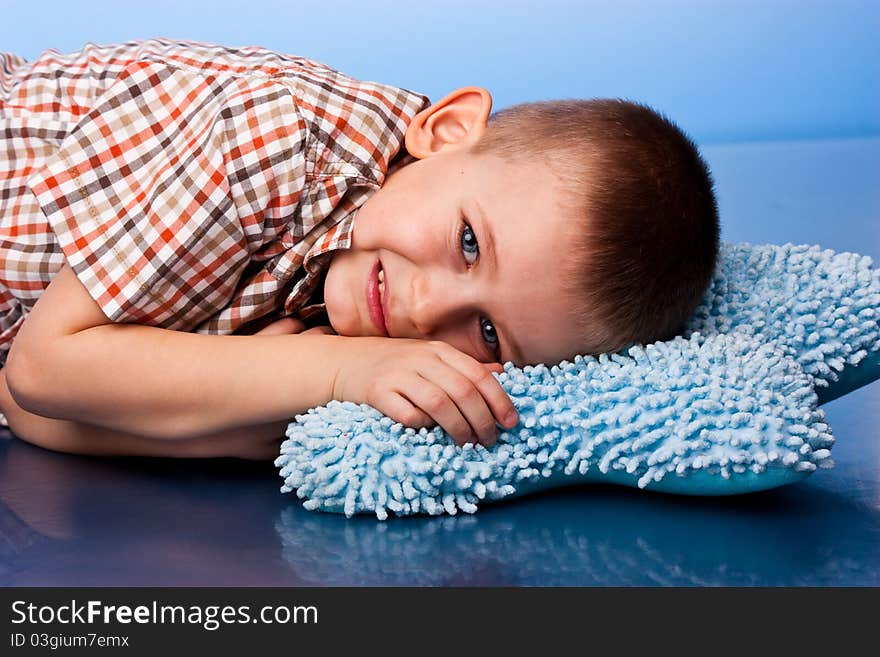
(283,326)
(426,391)
(468,399)
(480,374)
(431,399)
(399,408)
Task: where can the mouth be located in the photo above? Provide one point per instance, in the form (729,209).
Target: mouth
(377,301)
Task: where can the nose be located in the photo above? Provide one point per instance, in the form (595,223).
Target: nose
(436,301)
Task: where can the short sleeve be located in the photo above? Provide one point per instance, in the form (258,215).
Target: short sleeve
(157,196)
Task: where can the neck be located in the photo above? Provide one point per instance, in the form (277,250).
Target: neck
(399,161)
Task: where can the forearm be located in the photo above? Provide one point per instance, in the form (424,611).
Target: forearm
(256,442)
(171,384)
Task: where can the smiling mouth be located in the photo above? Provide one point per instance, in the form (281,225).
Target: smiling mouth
(383,306)
(376,298)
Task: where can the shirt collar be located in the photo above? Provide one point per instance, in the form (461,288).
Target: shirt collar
(339,236)
(393,109)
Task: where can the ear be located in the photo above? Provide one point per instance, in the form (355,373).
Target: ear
(455,122)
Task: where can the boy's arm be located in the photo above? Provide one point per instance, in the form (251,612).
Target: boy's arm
(261,442)
(69,361)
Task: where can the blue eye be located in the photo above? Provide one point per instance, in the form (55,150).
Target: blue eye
(468,241)
(489,335)
(469,246)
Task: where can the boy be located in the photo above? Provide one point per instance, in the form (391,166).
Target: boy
(178,213)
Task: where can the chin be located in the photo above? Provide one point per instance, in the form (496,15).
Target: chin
(341,327)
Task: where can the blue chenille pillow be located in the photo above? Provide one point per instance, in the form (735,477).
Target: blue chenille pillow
(820,306)
(731,406)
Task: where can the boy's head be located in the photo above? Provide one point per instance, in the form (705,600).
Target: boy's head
(602,214)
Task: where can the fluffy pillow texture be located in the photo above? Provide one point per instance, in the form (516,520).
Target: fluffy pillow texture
(730,406)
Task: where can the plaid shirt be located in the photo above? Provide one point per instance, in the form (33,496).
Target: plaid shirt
(190,186)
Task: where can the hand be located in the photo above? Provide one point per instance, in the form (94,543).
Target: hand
(421,383)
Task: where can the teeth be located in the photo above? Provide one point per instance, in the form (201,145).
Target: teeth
(381,275)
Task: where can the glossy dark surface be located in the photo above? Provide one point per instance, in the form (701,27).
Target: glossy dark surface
(68,520)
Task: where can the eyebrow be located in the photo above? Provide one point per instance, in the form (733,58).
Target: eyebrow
(493,258)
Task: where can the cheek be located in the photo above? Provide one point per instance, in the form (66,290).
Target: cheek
(339,288)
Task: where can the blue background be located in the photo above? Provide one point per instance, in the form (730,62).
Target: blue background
(725,71)
(784,99)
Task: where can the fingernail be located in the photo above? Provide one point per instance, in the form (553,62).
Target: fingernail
(511,418)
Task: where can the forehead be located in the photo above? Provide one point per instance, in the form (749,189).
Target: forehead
(532,246)
(530,301)
(524,205)
(524,193)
